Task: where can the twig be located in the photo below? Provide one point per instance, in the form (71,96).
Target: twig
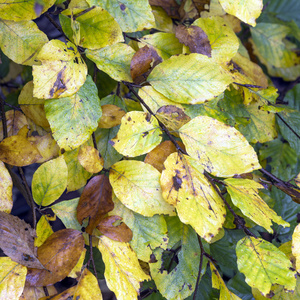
(162,126)
(46,291)
(288,126)
(54,23)
(3,117)
(200,266)
(91,258)
(83,12)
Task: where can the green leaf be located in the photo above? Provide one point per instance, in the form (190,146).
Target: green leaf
(181,79)
(180,282)
(21,41)
(222,150)
(77,175)
(107,151)
(197,203)
(123,273)
(244,195)
(97,28)
(113,60)
(16,10)
(224,42)
(131,15)
(49,181)
(247,11)
(264,265)
(62,71)
(165,44)
(148,232)
(142,194)
(73,119)
(139,134)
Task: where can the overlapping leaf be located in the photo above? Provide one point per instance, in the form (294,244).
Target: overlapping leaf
(189,79)
(140,194)
(296,246)
(90,159)
(221,149)
(6,186)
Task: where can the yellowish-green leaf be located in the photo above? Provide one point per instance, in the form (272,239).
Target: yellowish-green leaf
(123,273)
(244,195)
(113,60)
(142,194)
(139,134)
(77,269)
(247,11)
(221,149)
(73,119)
(49,181)
(62,71)
(162,21)
(33,107)
(197,203)
(148,232)
(6,186)
(189,79)
(264,265)
(16,10)
(43,231)
(224,42)
(154,99)
(12,279)
(77,175)
(131,15)
(218,283)
(296,246)
(97,28)
(165,44)
(21,41)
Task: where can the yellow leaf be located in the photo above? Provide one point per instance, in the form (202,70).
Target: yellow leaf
(43,231)
(224,42)
(6,186)
(247,11)
(296,246)
(49,181)
(12,279)
(33,107)
(123,273)
(162,21)
(111,116)
(189,79)
(221,149)
(244,195)
(62,71)
(142,194)
(196,201)
(75,273)
(113,60)
(90,159)
(218,283)
(139,133)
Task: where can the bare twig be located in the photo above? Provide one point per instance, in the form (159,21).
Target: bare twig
(202,251)
(3,117)
(83,12)
(91,258)
(46,291)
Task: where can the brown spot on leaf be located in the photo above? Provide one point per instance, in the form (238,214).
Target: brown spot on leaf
(122,6)
(59,86)
(177,181)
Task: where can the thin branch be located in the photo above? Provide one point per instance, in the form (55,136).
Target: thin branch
(3,117)
(200,266)
(162,126)
(46,291)
(288,126)
(55,24)
(91,258)
(83,12)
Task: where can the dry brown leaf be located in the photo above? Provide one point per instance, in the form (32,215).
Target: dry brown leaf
(36,292)
(188,10)
(170,6)
(15,120)
(17,241)
(194,38)
(18,151)
(111,116)
(159,154)
(143,62)
(95,202)
(59,254)
(114,229)
(90,159)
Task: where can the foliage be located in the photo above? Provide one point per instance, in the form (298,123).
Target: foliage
(163,117)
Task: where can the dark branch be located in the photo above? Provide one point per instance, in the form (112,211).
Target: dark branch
(202,251)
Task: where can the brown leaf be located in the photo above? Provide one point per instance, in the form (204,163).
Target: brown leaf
(59,254)
(114,229)
(65,295)
(159,154)
(18,151)
(15,120)
(195,38)
(95,202)
(188,10)
(143,62)
(111,116)
(170,6)
(201,5)
(17,241)
(36,293)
